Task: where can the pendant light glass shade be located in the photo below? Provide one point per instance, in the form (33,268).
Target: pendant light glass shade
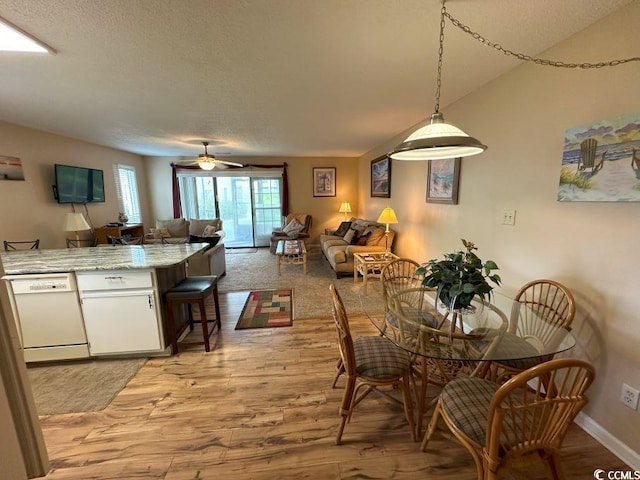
(437,140)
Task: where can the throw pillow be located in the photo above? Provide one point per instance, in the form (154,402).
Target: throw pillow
(362,241)
(293,228)
(349,236)
(376,237)
(209,231)
(160,232)
(342,229)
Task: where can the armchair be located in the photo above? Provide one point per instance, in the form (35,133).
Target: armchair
(296,226)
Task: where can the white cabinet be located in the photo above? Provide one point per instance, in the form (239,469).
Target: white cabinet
(120,314)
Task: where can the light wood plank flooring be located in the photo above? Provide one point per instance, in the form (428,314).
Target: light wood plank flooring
(260,406)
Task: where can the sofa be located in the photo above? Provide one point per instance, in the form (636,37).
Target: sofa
(212,260)
(179,230)
(355,236)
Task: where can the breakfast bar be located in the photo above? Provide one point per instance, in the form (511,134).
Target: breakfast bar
(98,301)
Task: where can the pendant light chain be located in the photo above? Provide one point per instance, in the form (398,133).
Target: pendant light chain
(443,12)
(521,56)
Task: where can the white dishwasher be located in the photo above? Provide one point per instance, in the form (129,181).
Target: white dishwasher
(119,310)
(47,312)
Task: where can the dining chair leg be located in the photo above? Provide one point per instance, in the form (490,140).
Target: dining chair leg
(432,426)
(422,394)
(554,466)
(339,371)
(408,410)
(347,406)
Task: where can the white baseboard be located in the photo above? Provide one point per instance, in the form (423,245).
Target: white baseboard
(619,449)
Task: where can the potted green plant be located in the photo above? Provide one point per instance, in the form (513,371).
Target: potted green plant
(459,277)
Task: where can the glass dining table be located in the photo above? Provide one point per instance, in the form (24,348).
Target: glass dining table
(447,344)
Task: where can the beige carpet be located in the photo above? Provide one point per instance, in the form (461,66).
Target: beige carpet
(257,271)
(80,386)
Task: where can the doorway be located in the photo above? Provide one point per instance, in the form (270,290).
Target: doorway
(249,207)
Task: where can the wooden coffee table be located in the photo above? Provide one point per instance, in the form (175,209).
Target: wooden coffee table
(370,264)
(291,252)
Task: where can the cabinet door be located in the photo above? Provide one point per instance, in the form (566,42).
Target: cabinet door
(121,323)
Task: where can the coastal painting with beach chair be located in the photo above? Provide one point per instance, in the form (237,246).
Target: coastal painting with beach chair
(11,168)
(601,162)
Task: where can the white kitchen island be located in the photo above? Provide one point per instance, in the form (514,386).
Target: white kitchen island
(112,303)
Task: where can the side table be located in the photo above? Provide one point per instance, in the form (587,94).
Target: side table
(370,264)
(291,252)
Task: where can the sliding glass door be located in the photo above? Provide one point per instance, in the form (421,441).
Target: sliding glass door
(248,206)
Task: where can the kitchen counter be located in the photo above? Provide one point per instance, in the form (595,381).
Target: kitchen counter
(85,302)
(122,257)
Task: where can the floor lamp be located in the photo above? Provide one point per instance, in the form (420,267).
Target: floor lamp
(388,216)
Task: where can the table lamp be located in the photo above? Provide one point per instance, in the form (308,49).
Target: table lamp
(345,208)
(75,222)
(388,216)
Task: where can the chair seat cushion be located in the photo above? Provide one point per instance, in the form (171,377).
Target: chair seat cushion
(466,401)
(378,358)
(514,351)
(192,287)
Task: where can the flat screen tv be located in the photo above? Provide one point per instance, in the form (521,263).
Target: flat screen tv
(78,184)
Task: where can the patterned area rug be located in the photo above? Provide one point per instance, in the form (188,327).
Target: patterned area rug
(311,299)
(267,308)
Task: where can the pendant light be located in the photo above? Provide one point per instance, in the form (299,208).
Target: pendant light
(437,140)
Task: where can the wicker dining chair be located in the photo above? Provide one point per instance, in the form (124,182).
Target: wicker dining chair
(22,245)
(529,414)
(546,299)
(369,362)
(396,276)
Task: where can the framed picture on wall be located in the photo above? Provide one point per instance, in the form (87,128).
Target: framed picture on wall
(443,178)
(324,181)
(11,168)
(381,177)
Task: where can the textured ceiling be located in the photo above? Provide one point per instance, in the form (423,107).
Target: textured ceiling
(261,77)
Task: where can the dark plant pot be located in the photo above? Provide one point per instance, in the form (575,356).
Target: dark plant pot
(462,302)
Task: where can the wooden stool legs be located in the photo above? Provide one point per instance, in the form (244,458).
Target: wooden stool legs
(199,299)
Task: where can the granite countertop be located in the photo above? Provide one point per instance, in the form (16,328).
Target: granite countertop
(122,257)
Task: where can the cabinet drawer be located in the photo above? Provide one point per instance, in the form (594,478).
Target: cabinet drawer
(114,280)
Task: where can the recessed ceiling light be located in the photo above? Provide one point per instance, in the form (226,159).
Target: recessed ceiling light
(13,39)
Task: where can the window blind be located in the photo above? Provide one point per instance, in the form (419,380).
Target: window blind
(127,191)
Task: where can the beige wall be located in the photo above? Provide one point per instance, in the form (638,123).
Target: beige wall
(591,247)
(28,207)
(324,210)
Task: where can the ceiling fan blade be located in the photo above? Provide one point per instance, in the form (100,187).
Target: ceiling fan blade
(231,164)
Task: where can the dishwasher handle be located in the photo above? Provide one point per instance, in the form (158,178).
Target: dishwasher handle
(115,293)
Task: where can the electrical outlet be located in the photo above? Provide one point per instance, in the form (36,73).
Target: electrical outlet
(509,217)
(629,396)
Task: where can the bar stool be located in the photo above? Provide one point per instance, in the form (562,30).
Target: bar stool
(192,290)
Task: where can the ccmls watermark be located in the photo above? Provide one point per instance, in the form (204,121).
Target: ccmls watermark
(600,474)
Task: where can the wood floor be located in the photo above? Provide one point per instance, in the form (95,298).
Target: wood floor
(260,406)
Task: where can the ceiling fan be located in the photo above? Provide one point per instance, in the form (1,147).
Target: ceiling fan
(208,161)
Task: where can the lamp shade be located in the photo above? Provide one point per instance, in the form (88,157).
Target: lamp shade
(75,222)
(388,216)
(437,140)
(345,207)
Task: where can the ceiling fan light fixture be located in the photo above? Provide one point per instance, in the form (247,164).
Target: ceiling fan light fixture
(206,164)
